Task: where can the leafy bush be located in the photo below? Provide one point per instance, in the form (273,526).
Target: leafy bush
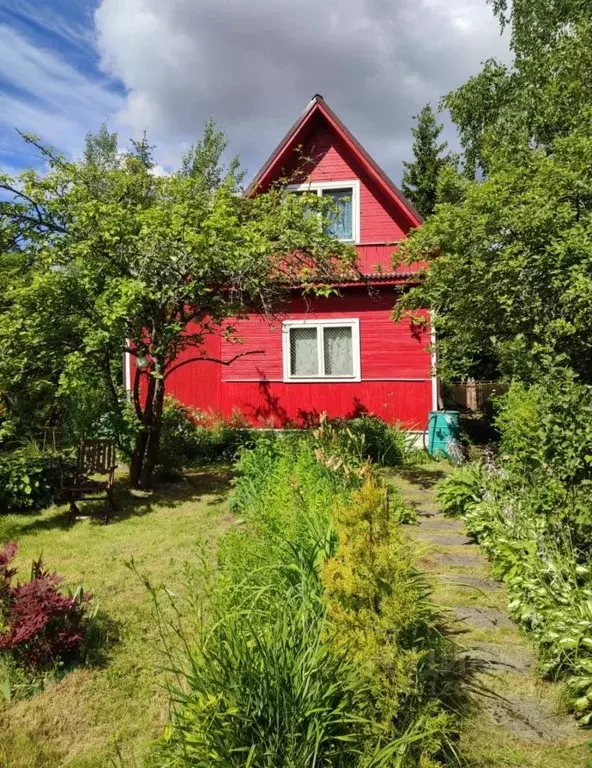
(383,443)
(546,430)
(465,486)
(549,585)
(531,513)
(39,626)
(193,438)
(29,478)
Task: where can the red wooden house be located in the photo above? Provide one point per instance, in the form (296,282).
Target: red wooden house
(342,354)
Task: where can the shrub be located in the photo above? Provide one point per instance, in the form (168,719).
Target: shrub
(39,626)
(465,486)
(29,478)
(193,438)
(315,642)
(383,443)
(381,612)
(546,430)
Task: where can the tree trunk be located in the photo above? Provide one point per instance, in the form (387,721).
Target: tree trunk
(137,459)
(142,439)
(153,442)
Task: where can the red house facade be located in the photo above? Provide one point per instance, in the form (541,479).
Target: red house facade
(343,354)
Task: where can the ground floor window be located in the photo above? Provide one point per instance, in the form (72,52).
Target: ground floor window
(321,350)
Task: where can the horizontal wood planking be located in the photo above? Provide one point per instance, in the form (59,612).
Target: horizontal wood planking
(388,350)
(278,404)
(380,219)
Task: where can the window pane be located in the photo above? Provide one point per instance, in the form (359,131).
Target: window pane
(304,352)
(338,352)
(340,220)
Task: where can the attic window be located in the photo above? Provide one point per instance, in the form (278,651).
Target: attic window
(344,220)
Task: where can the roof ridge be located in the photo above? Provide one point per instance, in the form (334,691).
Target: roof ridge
(319,102)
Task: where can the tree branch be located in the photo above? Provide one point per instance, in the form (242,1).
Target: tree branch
(213,360)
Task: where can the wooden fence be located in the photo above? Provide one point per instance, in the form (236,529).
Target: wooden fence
(473,395)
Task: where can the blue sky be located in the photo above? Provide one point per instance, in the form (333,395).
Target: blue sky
(167,65)
(50,80)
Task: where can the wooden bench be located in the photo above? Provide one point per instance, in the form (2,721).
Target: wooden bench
(93,457)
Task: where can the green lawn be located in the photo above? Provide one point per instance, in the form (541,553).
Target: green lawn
(91,714)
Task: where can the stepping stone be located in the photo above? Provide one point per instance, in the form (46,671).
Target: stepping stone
(457,560)
(466,580)
(481,618)
(444,540)
(439,523)
(510,658)
(419,495)
(531,720)
(426,509)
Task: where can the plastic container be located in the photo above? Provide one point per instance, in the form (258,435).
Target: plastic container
(443,432)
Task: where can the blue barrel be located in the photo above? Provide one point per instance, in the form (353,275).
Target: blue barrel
(443,432)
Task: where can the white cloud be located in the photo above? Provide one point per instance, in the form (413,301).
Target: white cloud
(46,95)
(254,64)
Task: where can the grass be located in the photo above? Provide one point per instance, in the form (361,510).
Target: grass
(109,714)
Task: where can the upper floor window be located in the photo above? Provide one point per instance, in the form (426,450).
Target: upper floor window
(344,219)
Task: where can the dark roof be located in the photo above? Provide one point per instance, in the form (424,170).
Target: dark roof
(317,103)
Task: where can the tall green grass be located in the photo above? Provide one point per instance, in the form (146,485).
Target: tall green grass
(264,673)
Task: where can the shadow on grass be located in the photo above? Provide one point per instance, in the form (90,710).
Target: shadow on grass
(195,484)
(424,477)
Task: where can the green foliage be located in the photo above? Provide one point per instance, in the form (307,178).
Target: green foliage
(509,251)
(190,438)
(263,685)
(30,478)
(547,430)
(420,177)
(464,487)
(272,675)
(549,586)
(122,258)
(380,607)
(531,514)
(383,443)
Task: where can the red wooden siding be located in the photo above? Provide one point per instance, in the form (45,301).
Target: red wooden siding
(395,368)
(271,404)
(387,350)
(197,384)
(395,360)
(380,221)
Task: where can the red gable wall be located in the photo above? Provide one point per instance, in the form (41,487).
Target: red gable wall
(396,381)
(379,221)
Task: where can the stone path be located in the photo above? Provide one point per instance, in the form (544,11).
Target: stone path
(518,720)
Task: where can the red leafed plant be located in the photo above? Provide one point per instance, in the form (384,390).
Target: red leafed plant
(39,625)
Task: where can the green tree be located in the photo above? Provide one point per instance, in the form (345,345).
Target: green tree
(420,177)
(125,258)
(541,95)
(510,254)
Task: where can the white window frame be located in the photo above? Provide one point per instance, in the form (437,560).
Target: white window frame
(320,325)
(317,187)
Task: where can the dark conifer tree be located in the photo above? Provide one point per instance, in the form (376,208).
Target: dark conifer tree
(420,178)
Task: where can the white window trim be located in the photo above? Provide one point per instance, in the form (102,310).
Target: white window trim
(318,186)
(349,322)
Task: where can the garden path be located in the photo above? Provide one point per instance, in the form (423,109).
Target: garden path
(519,719)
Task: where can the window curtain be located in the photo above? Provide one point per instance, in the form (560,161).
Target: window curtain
(338,352)
(304,352)
(341,219)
